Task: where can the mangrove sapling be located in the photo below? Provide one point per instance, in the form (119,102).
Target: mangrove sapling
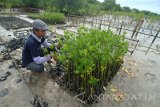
(91,57)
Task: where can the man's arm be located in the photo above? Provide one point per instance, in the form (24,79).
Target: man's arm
(40,60)
(46,44)
(35,53)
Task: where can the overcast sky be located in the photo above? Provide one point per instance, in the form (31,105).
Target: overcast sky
(151,5)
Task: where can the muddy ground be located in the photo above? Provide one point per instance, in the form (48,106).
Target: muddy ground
(135,85)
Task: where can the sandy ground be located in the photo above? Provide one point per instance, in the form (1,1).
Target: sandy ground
(135,85)
(4,34)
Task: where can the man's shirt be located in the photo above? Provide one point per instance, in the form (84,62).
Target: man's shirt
(32,50)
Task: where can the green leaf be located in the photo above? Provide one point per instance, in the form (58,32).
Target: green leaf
(51,46)
(45,51)
(77,72)
(93,81)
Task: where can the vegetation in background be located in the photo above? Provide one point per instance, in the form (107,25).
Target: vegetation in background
(50,18)
(80,7)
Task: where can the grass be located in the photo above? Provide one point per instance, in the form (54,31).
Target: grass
(50,18)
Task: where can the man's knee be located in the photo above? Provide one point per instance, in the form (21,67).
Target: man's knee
(35,67)
(39,68)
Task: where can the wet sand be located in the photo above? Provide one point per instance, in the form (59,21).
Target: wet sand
(135,85)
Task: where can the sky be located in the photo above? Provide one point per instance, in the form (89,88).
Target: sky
(150,5)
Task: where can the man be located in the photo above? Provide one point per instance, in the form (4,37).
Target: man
(32,56)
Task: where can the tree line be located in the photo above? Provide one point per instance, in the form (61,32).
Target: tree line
(78,7)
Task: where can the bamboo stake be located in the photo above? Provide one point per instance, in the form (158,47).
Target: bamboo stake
(152,42)
(139,27)
(109,24)
(134,31)
(121,27)
(100,24)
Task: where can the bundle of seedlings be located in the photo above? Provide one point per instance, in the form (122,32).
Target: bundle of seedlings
(54,49)
(90,58)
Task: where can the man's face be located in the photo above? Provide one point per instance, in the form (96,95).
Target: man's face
(41,33)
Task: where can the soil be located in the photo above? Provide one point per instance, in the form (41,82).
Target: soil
(135,85)
(9,22)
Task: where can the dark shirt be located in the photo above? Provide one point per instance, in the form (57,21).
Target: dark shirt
(32,49)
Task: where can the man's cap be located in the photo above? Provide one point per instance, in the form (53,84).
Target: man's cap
(39,24)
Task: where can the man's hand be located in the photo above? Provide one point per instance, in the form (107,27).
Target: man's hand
(53,61)
(54,56)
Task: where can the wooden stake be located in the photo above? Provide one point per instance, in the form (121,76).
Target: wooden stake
(121,28)
(152,42)
(139,27)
